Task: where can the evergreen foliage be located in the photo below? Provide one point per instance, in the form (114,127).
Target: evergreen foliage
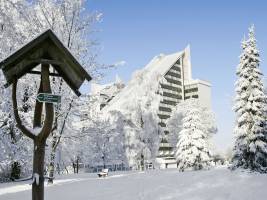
(192,147)
(250,150)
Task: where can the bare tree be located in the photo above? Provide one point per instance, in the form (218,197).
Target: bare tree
(23,20)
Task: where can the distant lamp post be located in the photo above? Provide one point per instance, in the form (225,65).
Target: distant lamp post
(47,51)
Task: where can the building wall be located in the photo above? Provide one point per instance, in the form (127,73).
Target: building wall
(201,90)
(204,93)
(171,91)
(178,86)
(186,63)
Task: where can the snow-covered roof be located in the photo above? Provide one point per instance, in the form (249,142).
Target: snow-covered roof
(96,88)
(144,82)
(109,90)
(162,63)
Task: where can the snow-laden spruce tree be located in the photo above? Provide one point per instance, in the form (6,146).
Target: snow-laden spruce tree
(192,147)
(250,150)
(208,121)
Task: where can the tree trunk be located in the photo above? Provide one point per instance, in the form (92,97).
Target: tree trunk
(56,141)
(51,168)
(38,171)
(74,167)
(77,165)
(104,163)
(142,162)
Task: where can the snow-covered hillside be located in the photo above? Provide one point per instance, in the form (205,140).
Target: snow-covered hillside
(215,184)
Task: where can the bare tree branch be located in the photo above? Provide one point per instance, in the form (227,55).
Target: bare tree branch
(24,130)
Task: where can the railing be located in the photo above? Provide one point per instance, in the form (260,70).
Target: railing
(4,180)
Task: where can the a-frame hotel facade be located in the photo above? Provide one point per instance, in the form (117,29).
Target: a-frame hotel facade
(176,86)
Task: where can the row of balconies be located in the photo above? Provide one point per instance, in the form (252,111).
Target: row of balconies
(169,101)
(171,91)
(174,70)
(193,96)
(173,74)
(165,108)
(163,115)
(162,124)
(176,82)
(166,153)
(166,82)
(169,98)
(166,105)
(190,86)
(172,77)
(191,90)
(177,64)
(163,144)
(160,112)
(170,86)
(172,95)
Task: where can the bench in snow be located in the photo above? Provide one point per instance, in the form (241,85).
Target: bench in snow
(103,173)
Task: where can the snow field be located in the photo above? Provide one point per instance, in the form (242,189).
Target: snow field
(215,184)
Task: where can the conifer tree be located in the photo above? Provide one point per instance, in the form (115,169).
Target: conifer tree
(192,147)
(250,150)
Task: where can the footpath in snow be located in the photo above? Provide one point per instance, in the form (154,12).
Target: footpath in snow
(215,184)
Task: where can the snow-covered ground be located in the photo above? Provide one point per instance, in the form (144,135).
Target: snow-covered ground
(215,184)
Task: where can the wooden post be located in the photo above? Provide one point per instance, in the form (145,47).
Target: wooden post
(38,171)
(39,139)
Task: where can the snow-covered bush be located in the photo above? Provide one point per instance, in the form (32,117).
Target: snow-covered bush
(192,146)
(175,122)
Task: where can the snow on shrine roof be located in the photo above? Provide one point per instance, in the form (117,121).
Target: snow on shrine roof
(144,82)
(48,49)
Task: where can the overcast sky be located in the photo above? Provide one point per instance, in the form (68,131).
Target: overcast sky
(134,31)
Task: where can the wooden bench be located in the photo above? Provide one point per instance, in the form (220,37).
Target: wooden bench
(103,173)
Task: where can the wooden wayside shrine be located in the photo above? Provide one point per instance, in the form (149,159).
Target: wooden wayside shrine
(48,51)
(45,49)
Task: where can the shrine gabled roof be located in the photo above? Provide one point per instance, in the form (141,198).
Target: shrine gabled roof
(46,48)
